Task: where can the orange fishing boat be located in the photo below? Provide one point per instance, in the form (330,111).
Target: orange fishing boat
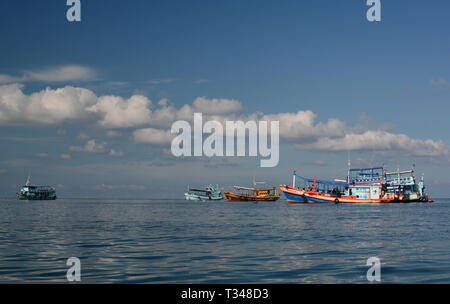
(252,195)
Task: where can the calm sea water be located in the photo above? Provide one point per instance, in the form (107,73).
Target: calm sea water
(138,241)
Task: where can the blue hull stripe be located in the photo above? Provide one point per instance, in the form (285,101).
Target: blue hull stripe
(302,199)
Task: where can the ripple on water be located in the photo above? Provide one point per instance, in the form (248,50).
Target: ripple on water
(187,242)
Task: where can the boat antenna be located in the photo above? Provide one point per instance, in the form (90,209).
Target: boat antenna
(28,183)
(256,183)
(349,165)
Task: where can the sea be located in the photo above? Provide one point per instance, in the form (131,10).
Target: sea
(177,241)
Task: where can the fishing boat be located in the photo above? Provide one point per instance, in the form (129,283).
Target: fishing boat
(246,194)
(401,185)
(405,187)
(32,192)
(363,185)
(210,193)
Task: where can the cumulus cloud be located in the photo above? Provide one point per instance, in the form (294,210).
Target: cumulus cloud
(45,107)
(217,106)
(55,106)
(122,113)
(166,115)
(91,146)
(302,126)
(378,141)
(152,136)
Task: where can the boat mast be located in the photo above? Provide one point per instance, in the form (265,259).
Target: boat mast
(349,164)
(293,180)
(28,183)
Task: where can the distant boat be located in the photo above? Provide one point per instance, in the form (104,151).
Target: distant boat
(32,193)
(252,194)
(210,193)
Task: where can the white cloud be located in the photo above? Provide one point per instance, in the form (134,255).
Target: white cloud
(91,146)
(378,141)
(5,79)
(45,107)
(152,136)
(122,113)
(217,106)
(56,106)
(53,74)
(302,126)
(166,115)
(62,74)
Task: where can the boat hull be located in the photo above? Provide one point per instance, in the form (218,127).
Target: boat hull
(236,197)
(191,197)
(30,198)
(294,195)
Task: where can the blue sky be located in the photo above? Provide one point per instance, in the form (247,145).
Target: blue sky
(271,57)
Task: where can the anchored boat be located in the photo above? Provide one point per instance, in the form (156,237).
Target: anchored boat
(365,185)
(210,193)
(404,187)
(31,192)
(245,194)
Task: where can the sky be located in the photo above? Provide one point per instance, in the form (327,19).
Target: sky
(87,106)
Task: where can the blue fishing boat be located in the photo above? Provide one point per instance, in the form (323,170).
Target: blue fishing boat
(210,193)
